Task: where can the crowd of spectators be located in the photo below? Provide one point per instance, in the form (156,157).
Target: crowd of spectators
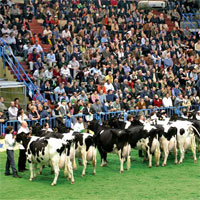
(108,56)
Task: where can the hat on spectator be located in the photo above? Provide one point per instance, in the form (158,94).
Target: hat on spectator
(63,100)
(181,69)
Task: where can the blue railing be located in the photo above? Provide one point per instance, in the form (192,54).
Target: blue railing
(101,117)
(190,19)
(16,67)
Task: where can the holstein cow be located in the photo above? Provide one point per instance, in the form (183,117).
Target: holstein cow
(185,137)
(47,151)
(168,142)
(110,140)
(145,138)
(83,147)
(142,137)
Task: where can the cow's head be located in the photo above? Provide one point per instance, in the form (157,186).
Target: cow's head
(23,138)
(92,125)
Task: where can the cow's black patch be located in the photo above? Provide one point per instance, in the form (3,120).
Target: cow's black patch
(89,141)
(29,152)
(78,138)
(38,160)
(29,161)
(60,151)
(38,146)
(182,131)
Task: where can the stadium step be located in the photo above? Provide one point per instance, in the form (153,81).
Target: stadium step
(36,27)
(167,20)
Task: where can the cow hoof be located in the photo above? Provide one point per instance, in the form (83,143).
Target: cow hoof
(195,161)
(121,172)
(157,165)
(150,166)
(94,173)
(30,179)
(163,165)
(40,173)
(53,184)
(72,182)
(176,163)
(83,175)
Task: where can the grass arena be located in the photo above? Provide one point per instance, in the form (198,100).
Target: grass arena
(180,181)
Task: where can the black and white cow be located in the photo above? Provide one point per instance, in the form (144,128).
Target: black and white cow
(47,151)
(110,140)
(141,136)
(145,138)
(83,146)
(186,137)
(168,142)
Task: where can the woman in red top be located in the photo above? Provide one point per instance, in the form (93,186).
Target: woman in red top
(56,72)
(157,102)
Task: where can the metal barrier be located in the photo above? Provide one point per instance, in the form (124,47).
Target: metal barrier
(191,20)
(101,117)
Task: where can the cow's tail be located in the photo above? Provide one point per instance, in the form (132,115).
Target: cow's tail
(196,131)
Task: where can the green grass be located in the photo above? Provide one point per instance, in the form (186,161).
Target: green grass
(171,182)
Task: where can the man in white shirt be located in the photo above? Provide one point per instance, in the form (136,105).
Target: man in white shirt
(10,143)
(128,122)
(51,59)
(65,71)
(167,101)
(79,126)
(39,49)
(65,35)
(109,86)
(12,111)
(48,74)
(74,66)
(59,90)
(22,152)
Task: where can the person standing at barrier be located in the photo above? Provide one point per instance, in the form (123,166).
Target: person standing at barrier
(21,116)
(12,111)
(22,152)
(10,143)
(129,120)
(79,125)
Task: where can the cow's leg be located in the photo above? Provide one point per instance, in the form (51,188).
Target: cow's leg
(121,158)
(128,157)
(182,152)
(84,155)
(34,170)
(166,153)
(157,155)
(193,148)
(199,145)
(41,167)
(94,160)
(149,156)
(74,163)
(69,169)
(175,153)
(55,165)
(31,171)
(103,155)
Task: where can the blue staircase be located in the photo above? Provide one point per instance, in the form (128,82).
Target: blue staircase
(9,60)
(192,21)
